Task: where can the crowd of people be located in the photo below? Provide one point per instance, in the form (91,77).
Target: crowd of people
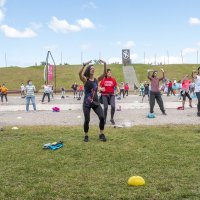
(105,89)
(188,87)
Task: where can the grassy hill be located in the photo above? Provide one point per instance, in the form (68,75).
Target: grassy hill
(171,71)
(66,75)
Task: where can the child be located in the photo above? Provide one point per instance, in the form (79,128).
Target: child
(126,89)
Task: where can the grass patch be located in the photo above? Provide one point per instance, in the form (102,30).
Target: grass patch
(65,75)
(167,157)
(171,71)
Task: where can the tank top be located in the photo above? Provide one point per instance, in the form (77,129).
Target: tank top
(90,91)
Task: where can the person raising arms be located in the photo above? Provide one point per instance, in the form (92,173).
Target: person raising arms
(155,92)
(185,92)
(107,89)
(91,100)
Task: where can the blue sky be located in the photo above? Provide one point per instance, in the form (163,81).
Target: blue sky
(81,30)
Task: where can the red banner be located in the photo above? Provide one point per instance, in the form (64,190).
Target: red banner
(50,72)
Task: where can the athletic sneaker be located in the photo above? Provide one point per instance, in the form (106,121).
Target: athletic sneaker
(180,108)
(102,137)
(190,106)
(164,113)
(86,138)
(112,121)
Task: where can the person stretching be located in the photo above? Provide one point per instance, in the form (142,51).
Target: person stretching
(107,87)
(155,92)
(185,92)
(91,100)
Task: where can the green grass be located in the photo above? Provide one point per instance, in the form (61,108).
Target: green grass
(65,75)
(176,71)
(167,157)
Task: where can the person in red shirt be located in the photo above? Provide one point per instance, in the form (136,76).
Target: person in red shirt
(185,92)
(80,91)
(170,91)
(126,87)
(107,89)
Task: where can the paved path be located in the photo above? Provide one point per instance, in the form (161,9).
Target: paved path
(133,112)
(130,77)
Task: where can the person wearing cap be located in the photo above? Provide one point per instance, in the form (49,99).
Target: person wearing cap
(155,92)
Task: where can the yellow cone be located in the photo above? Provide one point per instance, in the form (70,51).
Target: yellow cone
(136,181)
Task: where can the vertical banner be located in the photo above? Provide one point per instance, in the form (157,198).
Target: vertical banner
(50,72)
(126,56)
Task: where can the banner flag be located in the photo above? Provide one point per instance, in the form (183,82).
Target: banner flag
(50,72)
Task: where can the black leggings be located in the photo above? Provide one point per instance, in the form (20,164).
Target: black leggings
(185,94)
(48,95)
(99,111)
(122,92)
(198,97)
(108,100)
(4,95)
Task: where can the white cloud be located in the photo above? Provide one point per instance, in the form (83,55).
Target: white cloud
(85,23)
(198,43)
(188,51)
(164,60)
(62,26)
(194,21)
(86,47)
(13,33)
